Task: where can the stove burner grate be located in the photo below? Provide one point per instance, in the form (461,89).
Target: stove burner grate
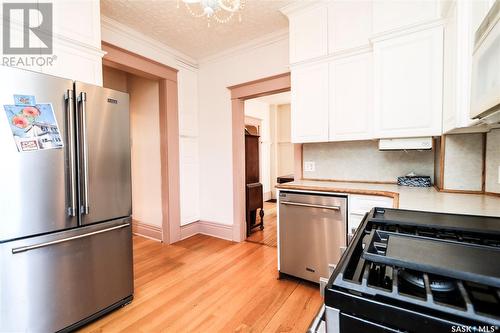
(436,284)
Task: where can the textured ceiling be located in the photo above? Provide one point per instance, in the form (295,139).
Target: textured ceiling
(175,27)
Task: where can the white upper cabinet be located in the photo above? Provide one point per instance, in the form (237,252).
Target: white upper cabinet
(309,103)
(396,14)
(308,33)
(408,77)
(78,20)
(77,51)
(351,98)
(349,25)
(462,21)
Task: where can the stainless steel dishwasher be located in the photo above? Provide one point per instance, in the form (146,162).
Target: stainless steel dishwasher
(312,233)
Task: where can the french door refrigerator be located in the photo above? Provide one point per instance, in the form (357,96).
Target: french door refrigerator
(65,202)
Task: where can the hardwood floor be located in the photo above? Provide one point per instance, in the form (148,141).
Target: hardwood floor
(269,234)
(205,284)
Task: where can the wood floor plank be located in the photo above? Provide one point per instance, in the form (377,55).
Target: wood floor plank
(268,236)
(204,284)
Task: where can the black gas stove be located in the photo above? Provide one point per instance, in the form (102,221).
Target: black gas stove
(409,271)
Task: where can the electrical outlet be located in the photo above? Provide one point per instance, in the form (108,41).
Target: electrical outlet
(309,166)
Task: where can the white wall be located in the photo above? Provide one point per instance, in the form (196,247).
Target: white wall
(215,125)
(260,110)
(145,138)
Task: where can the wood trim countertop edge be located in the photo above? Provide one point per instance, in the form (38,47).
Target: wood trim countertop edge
(389,194)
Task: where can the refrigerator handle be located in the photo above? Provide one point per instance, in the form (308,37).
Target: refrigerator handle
(37,246)
(82,98)
(71,148)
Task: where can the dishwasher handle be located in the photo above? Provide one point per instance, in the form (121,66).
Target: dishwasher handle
(300,204)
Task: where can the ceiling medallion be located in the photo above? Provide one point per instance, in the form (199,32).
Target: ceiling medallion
(222,11)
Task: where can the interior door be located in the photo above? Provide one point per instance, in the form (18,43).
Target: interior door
(104,150)
(37,193)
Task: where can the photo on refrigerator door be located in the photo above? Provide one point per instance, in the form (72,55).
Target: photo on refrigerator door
(34,127)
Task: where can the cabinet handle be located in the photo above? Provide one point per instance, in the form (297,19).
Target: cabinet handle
(299,204)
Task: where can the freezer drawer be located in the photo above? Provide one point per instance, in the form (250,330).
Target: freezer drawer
(50,282)
(312,232)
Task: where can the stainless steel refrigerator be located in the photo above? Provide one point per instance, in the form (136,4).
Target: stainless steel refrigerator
(65,202)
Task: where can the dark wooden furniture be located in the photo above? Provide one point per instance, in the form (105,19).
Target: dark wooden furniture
(285,179)
(254,194)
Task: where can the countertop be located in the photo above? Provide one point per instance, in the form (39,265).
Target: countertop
(413,198)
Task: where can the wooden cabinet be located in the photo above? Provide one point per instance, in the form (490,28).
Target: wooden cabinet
(408,78)
(390,15)
(349,25)
(309,103)
(308,33)
(253,189)
(351,98)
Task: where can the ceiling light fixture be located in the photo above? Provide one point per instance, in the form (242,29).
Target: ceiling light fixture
(222,11)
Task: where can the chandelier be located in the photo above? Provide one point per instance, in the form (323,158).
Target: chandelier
(222,11)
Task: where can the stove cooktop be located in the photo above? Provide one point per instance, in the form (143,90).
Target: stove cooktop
(418,271)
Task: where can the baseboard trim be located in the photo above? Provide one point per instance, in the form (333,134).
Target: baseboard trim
(146,230)
(208,228)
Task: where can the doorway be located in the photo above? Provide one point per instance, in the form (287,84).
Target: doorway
(239,94)
(158,83)
(268,117)
(145,148)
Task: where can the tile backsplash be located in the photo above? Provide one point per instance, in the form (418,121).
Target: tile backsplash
(492,172)
(362,161)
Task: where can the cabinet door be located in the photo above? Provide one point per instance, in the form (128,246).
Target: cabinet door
(349,25)
(188,102)
(310,103)
(390,15)
(351,98)
(408,78)
(308,34)
(189,180)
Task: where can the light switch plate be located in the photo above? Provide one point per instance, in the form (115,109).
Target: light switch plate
(309,166)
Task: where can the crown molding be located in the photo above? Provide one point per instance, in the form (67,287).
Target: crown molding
(169,55)
(419,26)
(301,5)
(268,39)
